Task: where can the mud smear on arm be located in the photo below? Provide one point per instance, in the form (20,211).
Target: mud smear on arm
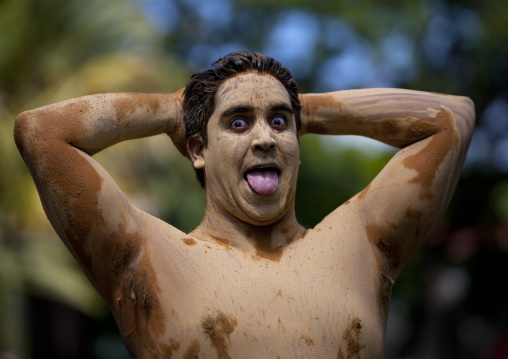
(428,160)
(323,114)
(69,186)
(400,231)
(138,309)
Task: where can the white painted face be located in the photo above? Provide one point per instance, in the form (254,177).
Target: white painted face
(252,158)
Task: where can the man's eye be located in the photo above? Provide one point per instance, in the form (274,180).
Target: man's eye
(279,123)
(239,124)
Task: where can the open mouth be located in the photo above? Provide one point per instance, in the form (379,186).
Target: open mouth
(263,180)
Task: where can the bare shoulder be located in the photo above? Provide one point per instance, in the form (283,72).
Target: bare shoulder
(340,226)
(130,245)
(343,235)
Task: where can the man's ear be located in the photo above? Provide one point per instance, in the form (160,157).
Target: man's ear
(195,148)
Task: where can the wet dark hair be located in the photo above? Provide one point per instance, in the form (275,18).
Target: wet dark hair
(199,95)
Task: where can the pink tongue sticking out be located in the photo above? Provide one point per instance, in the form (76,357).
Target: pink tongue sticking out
(263,181)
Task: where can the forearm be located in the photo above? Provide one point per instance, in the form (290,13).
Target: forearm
(92,123)
(393,116)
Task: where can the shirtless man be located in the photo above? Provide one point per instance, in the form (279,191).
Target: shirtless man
(249,281)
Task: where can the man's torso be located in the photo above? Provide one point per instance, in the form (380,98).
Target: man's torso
(188,297)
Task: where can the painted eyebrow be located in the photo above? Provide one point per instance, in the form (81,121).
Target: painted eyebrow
(282,107)
(236,110)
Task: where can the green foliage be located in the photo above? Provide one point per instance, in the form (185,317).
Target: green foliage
(330,174)
(499,200)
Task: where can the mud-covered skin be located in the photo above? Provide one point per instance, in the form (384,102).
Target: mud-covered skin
(403,202)
(249,282)
(236,304)
(254,100)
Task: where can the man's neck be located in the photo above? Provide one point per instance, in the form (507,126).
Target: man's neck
(267,241)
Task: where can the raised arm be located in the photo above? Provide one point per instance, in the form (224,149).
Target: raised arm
(401,205)
(83,203)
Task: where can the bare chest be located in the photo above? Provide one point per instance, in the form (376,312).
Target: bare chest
(224,305)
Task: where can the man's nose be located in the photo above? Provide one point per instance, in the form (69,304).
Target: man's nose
(263,138)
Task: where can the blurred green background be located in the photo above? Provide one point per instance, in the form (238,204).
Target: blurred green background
(451,301)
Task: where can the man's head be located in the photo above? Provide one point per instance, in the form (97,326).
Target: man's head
(199,95)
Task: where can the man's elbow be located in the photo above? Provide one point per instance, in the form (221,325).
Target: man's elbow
(469,115)
(24,126)
(469,109)
(463,110)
